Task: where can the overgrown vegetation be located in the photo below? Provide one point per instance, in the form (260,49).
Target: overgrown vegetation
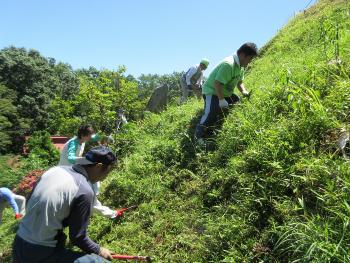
(41,155)
(9,170)
(37,93)
(272,186)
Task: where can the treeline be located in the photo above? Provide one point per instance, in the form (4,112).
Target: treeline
(40,94)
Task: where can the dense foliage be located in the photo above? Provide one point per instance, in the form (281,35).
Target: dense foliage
(28,182)
(20,173)
(10,172)
(41,149)
(39,94)
(148,83)
(97,102)
(33,81)
(8,117)
(272,185)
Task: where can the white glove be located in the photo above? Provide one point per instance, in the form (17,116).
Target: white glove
(223,103)
(246,93)
(110,139)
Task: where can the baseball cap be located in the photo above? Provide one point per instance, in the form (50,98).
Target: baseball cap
(205,62)
(101,154)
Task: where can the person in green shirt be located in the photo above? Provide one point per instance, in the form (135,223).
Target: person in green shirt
(218,89)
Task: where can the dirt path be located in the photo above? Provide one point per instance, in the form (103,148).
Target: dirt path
(14,162)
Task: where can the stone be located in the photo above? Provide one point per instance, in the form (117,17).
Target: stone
(159,99)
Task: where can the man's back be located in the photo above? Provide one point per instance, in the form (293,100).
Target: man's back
(50,204)
(228,72)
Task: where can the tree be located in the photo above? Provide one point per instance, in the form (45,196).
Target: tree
(36,80)
(42,149)
(7,112)
(91,72)
(97,102)
(148,83)
(11,124)
(68,83)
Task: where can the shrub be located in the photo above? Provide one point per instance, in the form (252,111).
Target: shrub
(41,148)
(28,182)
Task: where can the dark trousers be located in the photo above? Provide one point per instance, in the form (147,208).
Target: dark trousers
(213,114)
(25,252)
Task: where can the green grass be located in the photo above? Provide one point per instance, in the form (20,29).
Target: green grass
(12,169)
(9,170)
(7,234)
(271,187)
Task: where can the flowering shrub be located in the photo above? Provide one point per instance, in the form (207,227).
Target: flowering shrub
(42,149)
(28,182)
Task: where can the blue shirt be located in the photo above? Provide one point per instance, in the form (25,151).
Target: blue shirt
(72,151)
(7,195)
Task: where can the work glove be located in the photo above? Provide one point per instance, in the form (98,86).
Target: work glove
(110,139)
(118,213)
(18,216)
(246,94)
(223,103)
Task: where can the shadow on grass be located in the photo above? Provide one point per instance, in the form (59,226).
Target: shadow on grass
(191,148)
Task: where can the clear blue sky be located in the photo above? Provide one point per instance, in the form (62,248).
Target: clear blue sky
(147,36)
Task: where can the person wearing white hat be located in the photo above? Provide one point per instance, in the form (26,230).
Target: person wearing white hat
(192,80)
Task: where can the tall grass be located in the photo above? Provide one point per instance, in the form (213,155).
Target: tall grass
(272,188)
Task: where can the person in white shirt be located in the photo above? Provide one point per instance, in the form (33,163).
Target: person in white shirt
(192,80)
(72,153)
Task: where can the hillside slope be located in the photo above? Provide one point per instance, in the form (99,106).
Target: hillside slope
(270,187)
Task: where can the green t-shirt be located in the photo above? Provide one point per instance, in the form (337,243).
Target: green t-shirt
(228,73)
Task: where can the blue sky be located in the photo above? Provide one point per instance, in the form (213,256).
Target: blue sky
(147,36)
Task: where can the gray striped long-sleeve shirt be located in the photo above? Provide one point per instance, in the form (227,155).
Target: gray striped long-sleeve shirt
(63,197)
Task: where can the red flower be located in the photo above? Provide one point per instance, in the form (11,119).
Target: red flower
(28,182)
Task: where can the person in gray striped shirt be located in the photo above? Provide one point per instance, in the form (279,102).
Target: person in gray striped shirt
(191,81)
(72,153)
(63,197)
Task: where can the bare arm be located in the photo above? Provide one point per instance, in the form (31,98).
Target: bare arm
(242,88)
(219,89)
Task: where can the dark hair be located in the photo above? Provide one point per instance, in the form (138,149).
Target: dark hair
(249,49)
(85,130)
(104,166)
(101,154)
